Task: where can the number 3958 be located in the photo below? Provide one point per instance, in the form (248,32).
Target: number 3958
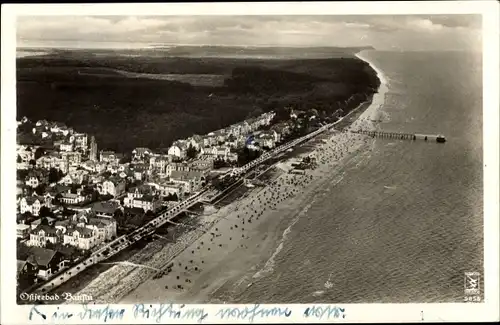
(472,299)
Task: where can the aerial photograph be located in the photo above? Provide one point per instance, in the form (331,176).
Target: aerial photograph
(249,159)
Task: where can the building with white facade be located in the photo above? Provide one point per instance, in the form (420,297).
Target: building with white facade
(178,149)
(145,202)
(43,234)
(141,153)
(108,156)
(23,231)
(72,157)
(32,181)
(81,237)
(114,186)
(143,197)
(191,180)
(159,163)
(66,146)
(53,160)
(80,141)
(71,198)
(26,154)
(31,204)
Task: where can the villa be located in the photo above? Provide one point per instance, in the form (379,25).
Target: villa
(178,149)
(45,261)
(114,186)
(70,198)
(141,153)
(105,209)
(108,156)
(43,234)
(31,204)
(80,141)
(191,180)
(81,237)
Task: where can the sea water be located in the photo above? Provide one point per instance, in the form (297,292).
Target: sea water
(406,220)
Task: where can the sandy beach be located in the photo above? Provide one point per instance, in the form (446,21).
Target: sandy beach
(235,245)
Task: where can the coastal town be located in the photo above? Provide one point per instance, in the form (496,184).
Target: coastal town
(181,163)
(73,199)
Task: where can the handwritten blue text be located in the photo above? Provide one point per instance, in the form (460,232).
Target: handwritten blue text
(250,313)
(320,312)
(168,311)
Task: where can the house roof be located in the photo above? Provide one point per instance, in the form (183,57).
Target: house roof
(197,137)
(181,144)
(104,207)
(161,158)
(107,154)
(142,189)
(67,251)
(58,188)
(40,256)
(84,232)
(31,199)
(220,132)
(90,163)
(70,195)
(115,180)
(252,120)
(147,198)
(34,173)
(185,175)
(134,211)
(202,167)
(141,151)
(22,251)
(38,221)
(56,124)
(279,127)
(139,167)
(22,226)
(47,229)
(100,223)
(62,223)
(171,185)
(20,265)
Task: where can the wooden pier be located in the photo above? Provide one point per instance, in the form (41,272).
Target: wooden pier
(403,136)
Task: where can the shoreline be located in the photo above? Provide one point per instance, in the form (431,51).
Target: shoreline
(378,99)
(198,257)
(245,231)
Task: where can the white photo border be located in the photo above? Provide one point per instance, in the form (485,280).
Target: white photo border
(487,311)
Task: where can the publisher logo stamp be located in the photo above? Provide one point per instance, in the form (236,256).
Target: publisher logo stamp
(472,283)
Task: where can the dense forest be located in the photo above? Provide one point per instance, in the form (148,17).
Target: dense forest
(83,91)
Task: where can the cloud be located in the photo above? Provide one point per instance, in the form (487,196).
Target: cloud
(377,30)
(458,21)
(425,24)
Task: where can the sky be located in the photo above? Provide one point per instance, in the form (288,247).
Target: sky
(397,32)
